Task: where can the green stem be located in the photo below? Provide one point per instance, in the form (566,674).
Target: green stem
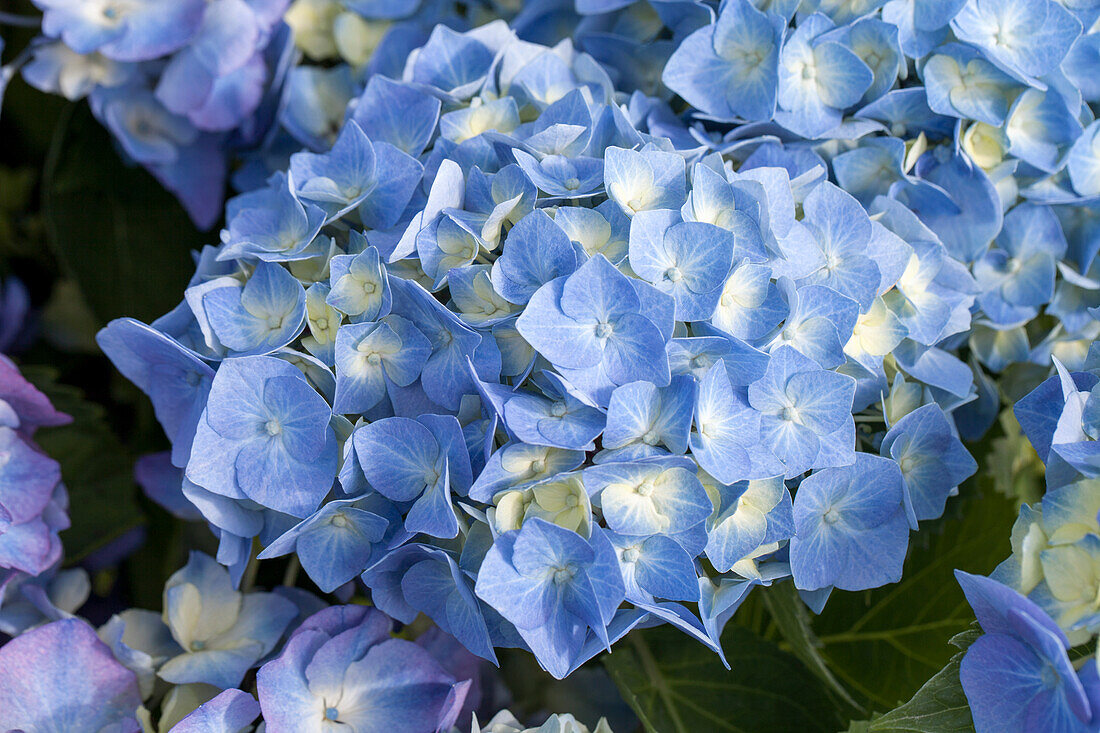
(249,578)
(290,577)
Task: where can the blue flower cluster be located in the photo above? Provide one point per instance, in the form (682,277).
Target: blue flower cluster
(1045,598)
(177,82)
(322,666)
(33,508)
(524,365)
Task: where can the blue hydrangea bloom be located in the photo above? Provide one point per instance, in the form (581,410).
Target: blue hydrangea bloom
(263,315)
(553,585)
(726,440)
(932,459)
(418,578)
(368,354)
(1017,674)
(749,519)
(851,526)
(818,79)
(594,319)
(265,435)
(128,32)
(420,461)
(805,412)
(687,260)
(1017,276)
(335,543)
(341,667)
(522,333)
(730,69)
(62,677)
(659,496)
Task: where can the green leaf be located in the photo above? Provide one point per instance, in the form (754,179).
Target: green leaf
(95,466)
(883,644)
(114,228)
(939,706)
(676,685)
(793,620)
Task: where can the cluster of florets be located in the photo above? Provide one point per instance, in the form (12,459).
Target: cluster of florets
(1045,598)
(522,364)
(177,82)
(33,502)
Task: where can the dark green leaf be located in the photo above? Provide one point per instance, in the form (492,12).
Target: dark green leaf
(883,644)
(939,706)
(678,686)
(793,620)
(116,231)
(95,466)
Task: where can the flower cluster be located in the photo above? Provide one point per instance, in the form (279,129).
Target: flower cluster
(33,502)
(337,666)
(527,367)
(177,82)
(1045,598)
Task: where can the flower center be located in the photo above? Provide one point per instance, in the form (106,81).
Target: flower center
(273,427)
(603,329)
(673,274)
(1050,676)
(331,713)
(563,574)
(644,489)
(831,516)
(112,12)
(631,554)
(558,409)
